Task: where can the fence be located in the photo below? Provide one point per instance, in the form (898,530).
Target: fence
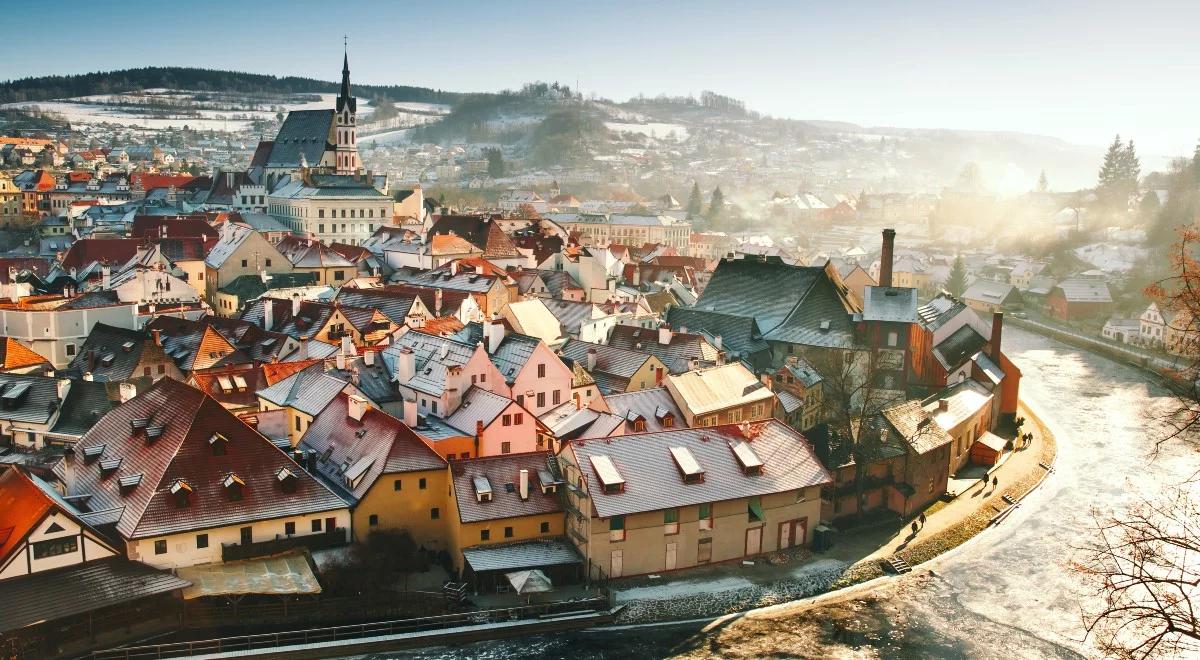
(348,632)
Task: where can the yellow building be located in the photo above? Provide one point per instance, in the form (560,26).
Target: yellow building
(304,395)
(395,480)
(726,394)
(501,503)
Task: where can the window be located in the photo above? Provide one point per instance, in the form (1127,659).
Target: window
(706,516)
(421,483)
(70,350)
(289,529)
(268,263)
(321,214)
(373,520)
(297,423)
(160,547)
(506,420)
(316,525)
(485,535)
(146,371)
(616,528)
(245,263)
(321,228)
(671,521)
(519,419)
(396,485)
(893,339)
(339,275)
(201,541)
(541,371)
(433,407)
(434,514)
(55,547)
(557,398)
(754,512)
(545,528)
(247,535)
(520,399)
(465,455)
(505,447)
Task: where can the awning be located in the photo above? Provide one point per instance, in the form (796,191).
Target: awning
(756,508)
(523,555)
(66,592)
(280,575)
(529,582)
(992,441)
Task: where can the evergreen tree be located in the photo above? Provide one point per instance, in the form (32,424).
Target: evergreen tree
(1110,171)
(716,206)
(495,163)
(956,282)
(695,205)
(1131,168)
(1043,184)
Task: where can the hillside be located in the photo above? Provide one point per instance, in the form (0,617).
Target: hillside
(115,82)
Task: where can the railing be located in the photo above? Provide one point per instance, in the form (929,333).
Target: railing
(327,539)
(350,632)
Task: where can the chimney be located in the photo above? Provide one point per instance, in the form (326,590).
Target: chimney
(369,358)
(997,335)
(437,303)
(409,412)
(767,382)
(91,359)
(69,470)
(664,334)
(479,269)
(356,407)
(454,267)
(63,385)
(524,484)
(495,334)
(262,274)
(637,276)
(340,359)
(943,405)
(406,366)
(591,359)
(295,304)
(347,345)
(886,256)
(87,375)
(105,277)
(268,314)
(156,333)
(128,391)
(718,343)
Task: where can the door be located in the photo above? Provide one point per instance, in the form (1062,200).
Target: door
(616,566)
(247,535)
(672,557)
(754,541)
(330,525)
(704,551)
(785,534)
(800,532)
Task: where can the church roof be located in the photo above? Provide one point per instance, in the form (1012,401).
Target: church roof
(304,132)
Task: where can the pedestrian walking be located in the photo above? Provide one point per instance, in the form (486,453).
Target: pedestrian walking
(914,528)
(922,519)
(995,482)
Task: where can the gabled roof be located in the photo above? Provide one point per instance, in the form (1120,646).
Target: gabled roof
(351,455)
(15,355)
(310,253)
(196,344)
(114,353)
(309,390)
(165,226)
(652,475)
(303,133)
(502,473)
(185,421)
(395,303)
(935,313)
(956,349)
(433,356)
(1084,291)
(676,354)
(610,360)
(991,292)
(717,388)
(478,406)
(915,427)
(652,406)
(740,334)
(22,506)
(480,231)
(113,251)
(511,356)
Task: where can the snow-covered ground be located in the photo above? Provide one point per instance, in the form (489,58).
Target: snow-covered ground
(655,130)
(1111,258)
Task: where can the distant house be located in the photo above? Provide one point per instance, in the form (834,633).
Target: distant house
(1079,299)
(987,296)
(1125,331)
(727,394)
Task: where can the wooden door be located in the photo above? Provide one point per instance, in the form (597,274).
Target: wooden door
(616,566)
(330,524)
(800,532)
(672,557)
(754,541)
(704,551)
(785,534)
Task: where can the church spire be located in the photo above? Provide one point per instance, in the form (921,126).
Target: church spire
(344,97)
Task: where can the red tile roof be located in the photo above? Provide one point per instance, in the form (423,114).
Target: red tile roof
(114,251)
(152,181)
(15,355)
(175,226)
(22,507)
(188,420)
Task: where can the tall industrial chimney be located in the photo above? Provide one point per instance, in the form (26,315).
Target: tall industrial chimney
(886,257)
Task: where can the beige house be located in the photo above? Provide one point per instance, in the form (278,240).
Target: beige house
(240,251)
(726,394)
(654,502)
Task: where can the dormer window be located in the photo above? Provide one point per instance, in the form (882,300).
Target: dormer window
(181,490)
(219,444)
(749,461)
(90,454)
(287,479)
(606,471)
(547,481)
(127,483)
(233,485)
(108,466)
(689,467)
(483,489)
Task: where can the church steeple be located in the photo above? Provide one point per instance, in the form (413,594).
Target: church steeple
(346,152)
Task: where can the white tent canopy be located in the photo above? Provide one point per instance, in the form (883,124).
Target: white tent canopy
(529,582)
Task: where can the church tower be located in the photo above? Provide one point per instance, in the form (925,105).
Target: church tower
(347,141)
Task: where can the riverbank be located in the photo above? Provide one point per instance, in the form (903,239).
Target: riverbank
(1157,365)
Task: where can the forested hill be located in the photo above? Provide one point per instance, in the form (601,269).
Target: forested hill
(126,80)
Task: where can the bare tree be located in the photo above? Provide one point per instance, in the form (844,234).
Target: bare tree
(1145,562)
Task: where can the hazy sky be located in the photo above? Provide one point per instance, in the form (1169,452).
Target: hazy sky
(1081,70)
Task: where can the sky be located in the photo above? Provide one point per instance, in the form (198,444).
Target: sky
(1079,70)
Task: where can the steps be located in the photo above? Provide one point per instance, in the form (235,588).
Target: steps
(897,565)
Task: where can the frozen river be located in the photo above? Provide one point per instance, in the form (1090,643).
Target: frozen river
(1009,593)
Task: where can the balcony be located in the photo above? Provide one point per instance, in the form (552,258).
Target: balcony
(279,544)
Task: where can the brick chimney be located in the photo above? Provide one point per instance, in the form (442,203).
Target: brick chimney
(997,335)
(886,257)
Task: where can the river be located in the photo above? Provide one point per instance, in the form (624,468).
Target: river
(1007,594)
